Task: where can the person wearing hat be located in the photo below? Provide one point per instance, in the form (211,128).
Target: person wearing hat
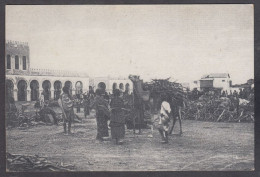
(117,120)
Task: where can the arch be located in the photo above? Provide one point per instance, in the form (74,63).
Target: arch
(102,85)
(121,86)
(9,86)
(22,90)
(46,85)
(69,84)
(34,85)
(79,87)
(57,89)
(114,86)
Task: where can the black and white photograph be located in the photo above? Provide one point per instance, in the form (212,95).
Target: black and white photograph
(129,87)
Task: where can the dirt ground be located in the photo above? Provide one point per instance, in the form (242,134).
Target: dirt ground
(203,146)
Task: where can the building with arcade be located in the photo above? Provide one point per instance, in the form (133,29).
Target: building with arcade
(24,83)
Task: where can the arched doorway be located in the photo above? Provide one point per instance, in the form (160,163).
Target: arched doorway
(34,85)
(57,89)
(69,84)
(79,87)
(46,85)
(9,87)
(121,86)
(22,90)
(114,86)
(102,85)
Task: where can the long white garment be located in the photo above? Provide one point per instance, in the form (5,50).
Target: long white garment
(165,106)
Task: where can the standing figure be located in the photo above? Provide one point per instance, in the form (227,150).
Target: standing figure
(117,120)
(78,103)
(41,100)
(164,119)
(86,103)
(67,105)
(102,114)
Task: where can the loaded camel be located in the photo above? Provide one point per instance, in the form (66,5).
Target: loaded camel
(143,99)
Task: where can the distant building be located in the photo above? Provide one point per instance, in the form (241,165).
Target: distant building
(221,81)
(24,83)
(248,85)
(110,83)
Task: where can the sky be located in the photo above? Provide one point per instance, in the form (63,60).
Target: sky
(183,42)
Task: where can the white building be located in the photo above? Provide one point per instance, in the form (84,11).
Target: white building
(220,81)
(110,83)
(24,83)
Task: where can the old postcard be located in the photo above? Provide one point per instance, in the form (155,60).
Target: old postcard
(129,88)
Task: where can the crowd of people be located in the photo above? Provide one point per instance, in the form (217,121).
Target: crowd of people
(108,107)
(246,93)
(110,111)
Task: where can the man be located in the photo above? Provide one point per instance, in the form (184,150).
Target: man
(67,106)
(42,100)
(78,103)
(102,115)
(164,119)
(86,103)
(117,123)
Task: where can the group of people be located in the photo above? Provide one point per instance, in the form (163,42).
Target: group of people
(105,110)
(246,93)
(109,108)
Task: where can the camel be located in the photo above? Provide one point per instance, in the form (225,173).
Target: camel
(143,99)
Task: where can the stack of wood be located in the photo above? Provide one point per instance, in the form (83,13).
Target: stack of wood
(223,109)
(173,90)
(34,163)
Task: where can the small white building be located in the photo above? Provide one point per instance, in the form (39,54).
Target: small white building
(220,81)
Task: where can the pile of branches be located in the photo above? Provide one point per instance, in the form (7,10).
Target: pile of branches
(172,90)
(26,117)
(223,109)
(33,163)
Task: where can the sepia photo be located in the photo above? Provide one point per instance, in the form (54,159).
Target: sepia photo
(129,87)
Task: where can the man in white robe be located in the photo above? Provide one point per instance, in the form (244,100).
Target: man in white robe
(164,119)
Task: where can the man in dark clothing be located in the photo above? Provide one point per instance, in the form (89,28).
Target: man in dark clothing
(86,102)
(117,123)
(102,115)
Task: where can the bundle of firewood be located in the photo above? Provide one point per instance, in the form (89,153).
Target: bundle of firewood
(172,90)
(212,108)
(34,163)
